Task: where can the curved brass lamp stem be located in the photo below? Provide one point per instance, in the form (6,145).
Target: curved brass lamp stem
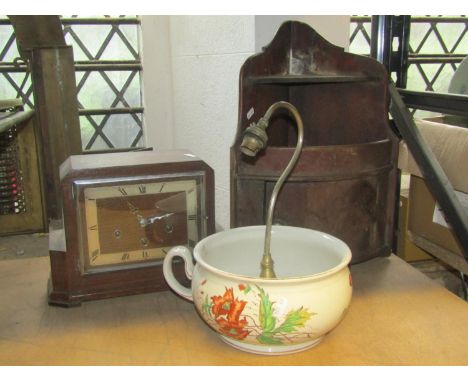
(254,140)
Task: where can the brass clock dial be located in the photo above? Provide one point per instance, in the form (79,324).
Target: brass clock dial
(134,223)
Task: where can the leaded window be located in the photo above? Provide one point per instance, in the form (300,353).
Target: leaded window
(437,46)
(108,78)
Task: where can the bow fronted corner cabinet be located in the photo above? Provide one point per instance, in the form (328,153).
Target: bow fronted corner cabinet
(346,180)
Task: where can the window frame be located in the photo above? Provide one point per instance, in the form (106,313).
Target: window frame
(90,66)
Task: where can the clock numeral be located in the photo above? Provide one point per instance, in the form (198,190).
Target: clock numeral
(94,255)
(160,190)
(192,217)
(122,191)
(164,251)
(125,256)
(145,254)
(142,189)
(93,227)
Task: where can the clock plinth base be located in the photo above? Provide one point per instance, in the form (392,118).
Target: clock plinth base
(61,299)
(69,299)
(62,293)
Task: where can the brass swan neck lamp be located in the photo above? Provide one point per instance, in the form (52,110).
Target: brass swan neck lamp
(254,140)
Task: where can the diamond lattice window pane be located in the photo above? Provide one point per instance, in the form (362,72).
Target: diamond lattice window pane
(429,43)
(430,77)
(96,89)
(129,82)
(418,35)
(99,144)
(87,42)
(109,89)
(7,92)
(118,47)
(453,36)
(95,92)
(132,36)
(8,48)
(122,128)
(17,85)
(360,37)
(88,130)
(436,39)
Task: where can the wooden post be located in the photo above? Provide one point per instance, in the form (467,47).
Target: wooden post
(53,78)
(40,40)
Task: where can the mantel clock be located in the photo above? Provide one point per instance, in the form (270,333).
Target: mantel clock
(122,212)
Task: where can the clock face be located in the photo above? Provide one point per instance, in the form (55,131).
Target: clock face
(133,222)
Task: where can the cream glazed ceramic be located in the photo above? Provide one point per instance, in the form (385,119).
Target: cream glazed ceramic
(291,313)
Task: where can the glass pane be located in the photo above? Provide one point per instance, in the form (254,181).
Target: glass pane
(99,144)
(102,89)
(360,33)
(12,85)
(8,48)
(123,128)
(87,129)
(95,92)
(435,42)
(117,48)
(87,40)
(451,35)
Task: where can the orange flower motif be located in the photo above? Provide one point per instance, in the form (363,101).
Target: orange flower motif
(227,310)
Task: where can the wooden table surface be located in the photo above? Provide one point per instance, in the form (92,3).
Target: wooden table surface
(397,316)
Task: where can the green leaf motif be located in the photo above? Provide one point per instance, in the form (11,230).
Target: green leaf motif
(268,339)
(267,320)
(294,320)
(206,306)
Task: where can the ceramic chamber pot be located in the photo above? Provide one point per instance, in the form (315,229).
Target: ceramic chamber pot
(291,313)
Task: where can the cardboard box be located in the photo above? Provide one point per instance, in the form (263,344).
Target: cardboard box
(406,249)
(421,219)
(427,227)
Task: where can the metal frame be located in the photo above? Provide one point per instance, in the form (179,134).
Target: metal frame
(433,173)
(453,104)
(437,181)
(385,29)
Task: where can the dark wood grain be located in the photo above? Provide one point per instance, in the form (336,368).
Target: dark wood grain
(345,182)
(69,286)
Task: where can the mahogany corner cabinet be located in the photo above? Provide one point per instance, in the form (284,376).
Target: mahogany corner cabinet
(346,179)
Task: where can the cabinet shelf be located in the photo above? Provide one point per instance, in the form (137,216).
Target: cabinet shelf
(301,79)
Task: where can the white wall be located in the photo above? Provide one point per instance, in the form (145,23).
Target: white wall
(207,53)
(157,81)
(190,81)
(334,28)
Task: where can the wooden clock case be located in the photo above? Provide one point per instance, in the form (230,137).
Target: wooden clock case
(68,286)
(345,182)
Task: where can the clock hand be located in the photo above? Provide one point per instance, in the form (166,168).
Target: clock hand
(132,208)
(147,221)
(135,211)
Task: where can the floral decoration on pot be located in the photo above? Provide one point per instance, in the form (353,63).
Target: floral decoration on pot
(225,313)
